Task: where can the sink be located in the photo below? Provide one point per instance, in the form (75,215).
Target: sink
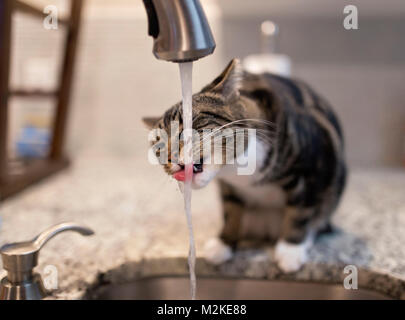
(173,288)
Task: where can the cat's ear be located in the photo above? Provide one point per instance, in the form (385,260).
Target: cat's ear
(150,122)
(229,82)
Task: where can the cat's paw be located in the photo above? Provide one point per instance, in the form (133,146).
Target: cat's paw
(217,252)
(290,257)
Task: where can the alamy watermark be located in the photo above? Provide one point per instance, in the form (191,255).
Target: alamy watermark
(350,282)
(351,20)
(51,20)
(50,277)
(211,146)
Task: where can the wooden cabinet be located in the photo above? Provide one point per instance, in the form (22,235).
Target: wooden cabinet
(11,183)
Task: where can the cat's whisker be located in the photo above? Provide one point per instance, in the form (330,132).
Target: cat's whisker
(263,135)
(198,147)
(239,122)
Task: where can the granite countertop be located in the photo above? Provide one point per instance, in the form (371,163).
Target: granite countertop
(140,229)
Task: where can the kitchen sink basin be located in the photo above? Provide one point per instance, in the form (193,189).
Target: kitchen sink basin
(172,288)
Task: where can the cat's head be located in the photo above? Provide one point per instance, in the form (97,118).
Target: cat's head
(215,109)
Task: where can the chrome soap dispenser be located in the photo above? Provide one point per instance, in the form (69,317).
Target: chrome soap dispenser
(268,60)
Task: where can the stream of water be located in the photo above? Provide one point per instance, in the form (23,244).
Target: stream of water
(186,70)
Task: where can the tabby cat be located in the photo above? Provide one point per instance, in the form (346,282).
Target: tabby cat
(300,164)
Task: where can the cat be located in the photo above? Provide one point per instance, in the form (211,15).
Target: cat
(299,159)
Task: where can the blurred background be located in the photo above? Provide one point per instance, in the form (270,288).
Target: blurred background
(90,87)
(117,80)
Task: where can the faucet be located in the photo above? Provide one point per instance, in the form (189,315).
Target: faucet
(19,260)
(180,30)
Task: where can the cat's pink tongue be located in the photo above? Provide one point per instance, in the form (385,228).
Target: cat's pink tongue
(181,175)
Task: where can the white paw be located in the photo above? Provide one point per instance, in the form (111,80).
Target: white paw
(217,252)
(290,257)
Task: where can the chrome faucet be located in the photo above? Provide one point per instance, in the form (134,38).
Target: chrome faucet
(180,30)
(19,260)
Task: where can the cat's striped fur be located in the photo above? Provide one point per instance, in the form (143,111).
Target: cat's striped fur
(303,151)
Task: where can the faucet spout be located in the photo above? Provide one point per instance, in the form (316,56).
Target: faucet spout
(180,30)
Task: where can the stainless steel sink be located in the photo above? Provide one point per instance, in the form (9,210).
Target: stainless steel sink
(173,288)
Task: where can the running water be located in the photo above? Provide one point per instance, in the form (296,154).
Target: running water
(186,70)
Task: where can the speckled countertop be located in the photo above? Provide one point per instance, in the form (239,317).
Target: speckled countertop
(137,214)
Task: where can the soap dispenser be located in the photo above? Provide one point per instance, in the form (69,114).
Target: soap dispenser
(268,60)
